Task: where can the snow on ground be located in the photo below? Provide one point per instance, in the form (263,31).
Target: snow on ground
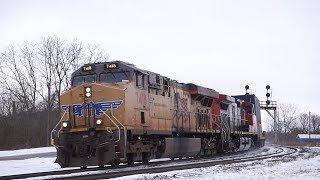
(31,165)
(27,151)
(28,166)
(302,165)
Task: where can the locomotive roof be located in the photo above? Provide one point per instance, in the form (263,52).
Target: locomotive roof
(248,97)
(195,89)
(112,66)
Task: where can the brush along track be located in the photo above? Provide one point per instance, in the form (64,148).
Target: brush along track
(154,167)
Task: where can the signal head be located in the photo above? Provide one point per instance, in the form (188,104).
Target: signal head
(247,87)
(268,102)
(267,87)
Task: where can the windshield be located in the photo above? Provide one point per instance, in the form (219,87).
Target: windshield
(114,77)
(77,80)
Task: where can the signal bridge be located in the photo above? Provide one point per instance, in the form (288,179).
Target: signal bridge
(271,106)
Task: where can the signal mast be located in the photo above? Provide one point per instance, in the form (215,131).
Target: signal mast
(270,105)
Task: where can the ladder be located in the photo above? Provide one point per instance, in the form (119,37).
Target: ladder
(120,134)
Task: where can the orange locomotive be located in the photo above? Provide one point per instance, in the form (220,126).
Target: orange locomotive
(115,112)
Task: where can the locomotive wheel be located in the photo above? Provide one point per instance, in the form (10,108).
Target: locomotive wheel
(130,160)
(65,156)
(115,163)
(145,158)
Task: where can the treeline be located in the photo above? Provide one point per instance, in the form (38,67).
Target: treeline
(292,122)
(32,77)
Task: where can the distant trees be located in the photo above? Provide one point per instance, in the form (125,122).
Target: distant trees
(288,114)
(291,123)
(315,123)
(303,120)
(32,77)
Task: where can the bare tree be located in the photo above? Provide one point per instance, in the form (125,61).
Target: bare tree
(46,56)
(303,120)
(32,77)
(287,118)
(315,123)
(60,58)
(19,86)
(28,61)
(75,55)
(18,76)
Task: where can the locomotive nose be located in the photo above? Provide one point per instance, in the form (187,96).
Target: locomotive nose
(88,106)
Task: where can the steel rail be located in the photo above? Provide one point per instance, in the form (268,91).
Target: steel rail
(154,167)
(177,167)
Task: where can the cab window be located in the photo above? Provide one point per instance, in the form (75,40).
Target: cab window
(77,80)
(114,77)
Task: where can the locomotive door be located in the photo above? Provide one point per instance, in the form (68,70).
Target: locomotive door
(142,111)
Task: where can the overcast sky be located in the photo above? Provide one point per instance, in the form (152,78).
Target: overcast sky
(223,45)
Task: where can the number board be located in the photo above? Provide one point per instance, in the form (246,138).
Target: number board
(112,66)
(87,68)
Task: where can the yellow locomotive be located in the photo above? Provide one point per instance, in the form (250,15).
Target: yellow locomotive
(115,112)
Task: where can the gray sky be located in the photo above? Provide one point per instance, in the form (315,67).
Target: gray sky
(223,45)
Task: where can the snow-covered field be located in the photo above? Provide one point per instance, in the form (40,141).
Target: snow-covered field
(29,165)
(302,165)
(27,151)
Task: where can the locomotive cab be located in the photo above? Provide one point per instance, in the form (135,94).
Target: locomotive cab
(93,114)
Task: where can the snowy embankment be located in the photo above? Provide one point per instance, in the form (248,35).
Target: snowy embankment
(304,164)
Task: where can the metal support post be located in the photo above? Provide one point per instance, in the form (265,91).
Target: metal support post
(275,127)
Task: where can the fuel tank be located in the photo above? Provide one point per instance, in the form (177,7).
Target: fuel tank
(181,147)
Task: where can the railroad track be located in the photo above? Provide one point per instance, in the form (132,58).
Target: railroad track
(154,167)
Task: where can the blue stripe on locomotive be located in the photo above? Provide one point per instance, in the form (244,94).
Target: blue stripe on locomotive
(254,100)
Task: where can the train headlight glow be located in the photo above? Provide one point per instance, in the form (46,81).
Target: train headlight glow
(88,94)
(99,121)
(64,124)
(88,91)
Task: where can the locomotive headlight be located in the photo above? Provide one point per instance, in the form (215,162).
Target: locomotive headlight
(88,91)
(99,121)
(88,94)
(65,124)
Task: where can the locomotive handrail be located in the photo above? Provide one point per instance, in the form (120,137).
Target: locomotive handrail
(227,129)
(54,129)
(116,118)
(105,113)
(124,131)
